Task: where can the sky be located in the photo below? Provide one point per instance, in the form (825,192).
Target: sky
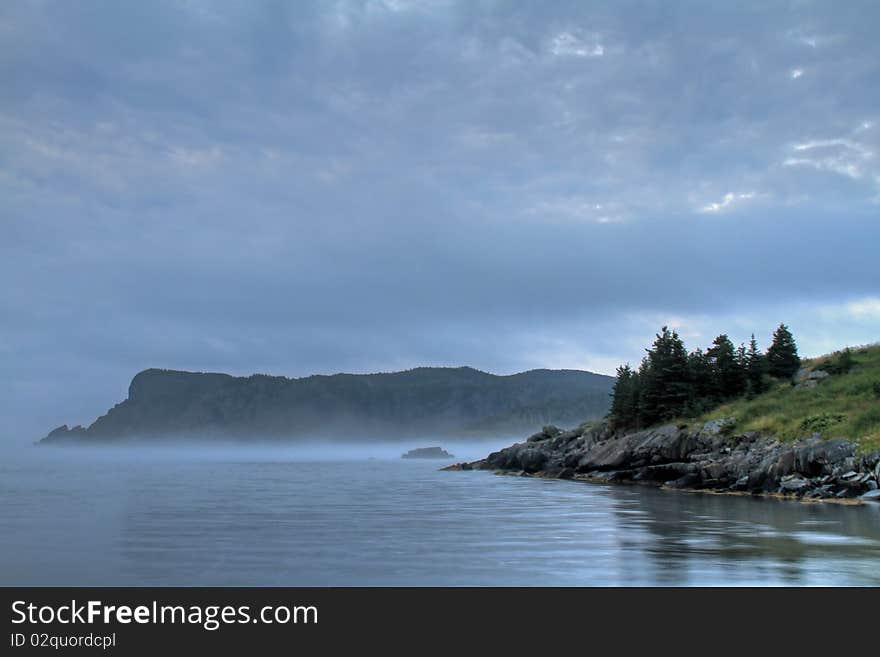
(297,188)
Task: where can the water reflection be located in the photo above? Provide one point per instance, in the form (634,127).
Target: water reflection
(706,539)
(141,519)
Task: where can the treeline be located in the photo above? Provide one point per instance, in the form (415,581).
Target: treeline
(672,382)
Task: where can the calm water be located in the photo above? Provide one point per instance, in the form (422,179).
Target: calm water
(299,517)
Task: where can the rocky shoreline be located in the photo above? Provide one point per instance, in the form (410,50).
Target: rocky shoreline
(712,458)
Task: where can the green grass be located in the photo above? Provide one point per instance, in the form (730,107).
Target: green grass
(840,406)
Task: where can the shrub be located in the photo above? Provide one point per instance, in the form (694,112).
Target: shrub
(842,364)
(821,422)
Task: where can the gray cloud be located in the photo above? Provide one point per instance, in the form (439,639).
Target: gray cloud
(373,185)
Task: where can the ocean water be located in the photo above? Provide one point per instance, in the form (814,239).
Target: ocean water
(362,516)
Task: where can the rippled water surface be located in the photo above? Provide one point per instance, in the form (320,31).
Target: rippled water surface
(298,517)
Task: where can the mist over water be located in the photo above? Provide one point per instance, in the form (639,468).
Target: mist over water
(314,514)
(188,451)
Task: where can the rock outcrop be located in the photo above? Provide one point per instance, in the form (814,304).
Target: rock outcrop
(65,433)
(806,378)
(428,453)
(710,459)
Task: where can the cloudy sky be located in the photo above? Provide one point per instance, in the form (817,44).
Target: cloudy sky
(358,186)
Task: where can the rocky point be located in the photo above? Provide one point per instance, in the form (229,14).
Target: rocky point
(711,458)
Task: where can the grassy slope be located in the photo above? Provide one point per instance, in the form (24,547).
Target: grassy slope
(841,406)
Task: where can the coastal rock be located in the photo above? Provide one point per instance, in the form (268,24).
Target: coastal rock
(690,480)
(706,459)
(458,466)
(740,484)
(546,433)
(64,433)
(794,483)
(818,457)
(522,456)
(531,460)
(720,425)
(427,453)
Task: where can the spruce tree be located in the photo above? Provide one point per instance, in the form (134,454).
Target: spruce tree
(725,369)
(755,368)
(782,356)
(677,379)
(703,387)
(646,413)
(670,382)
(666,388)
(742,369)
(624,405)
(634,400)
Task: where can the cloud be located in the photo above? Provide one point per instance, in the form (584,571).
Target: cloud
(193,158)
(811,39)
(579,209)
(866,308)
(842,156)
(567,44)
(727,201)
(371,185)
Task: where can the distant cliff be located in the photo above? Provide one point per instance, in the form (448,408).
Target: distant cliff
(424,401)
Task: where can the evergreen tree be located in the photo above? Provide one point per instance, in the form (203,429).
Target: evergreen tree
(742,370)
(645,406)
(635,398)
(625,402)
(665,379)
(702,383)
(670,382)
(677,379)
(756,367)
(727,374)
(782,356)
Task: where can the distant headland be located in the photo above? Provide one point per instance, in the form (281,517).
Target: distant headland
(425,401)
